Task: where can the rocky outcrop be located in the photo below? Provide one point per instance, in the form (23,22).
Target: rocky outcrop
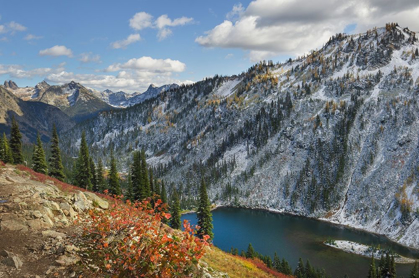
(37,224)
(10,85)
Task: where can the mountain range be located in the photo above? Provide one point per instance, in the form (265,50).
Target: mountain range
(333,134)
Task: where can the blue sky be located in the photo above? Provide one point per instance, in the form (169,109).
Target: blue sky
(126,45)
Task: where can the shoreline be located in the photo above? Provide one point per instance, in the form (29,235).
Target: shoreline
(284,212)
(366,251)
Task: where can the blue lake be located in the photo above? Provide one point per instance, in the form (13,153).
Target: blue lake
(293,237)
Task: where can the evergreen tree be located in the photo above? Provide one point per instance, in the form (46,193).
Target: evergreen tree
(415,271)
(55,164)
(2,155)
(151,179)
(136,175)
(39,163)
(93,177)
(6,152)
(204,213)
(277,263)
(392,268)
(372,273)
(157,188)
(130,191)
(16,143)
(417,52)
(114,187)
(100,180)
(163,193)
(250,252)
(300,270)
(175,222)
(145,183)
(286,268)
(83,165)
(309,270)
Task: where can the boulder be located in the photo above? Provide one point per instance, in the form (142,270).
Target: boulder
(80,202)
(66,260)
(11,259)
(97,200)
(53,234)
(14,225)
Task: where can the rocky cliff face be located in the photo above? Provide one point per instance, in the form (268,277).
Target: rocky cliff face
(331,135)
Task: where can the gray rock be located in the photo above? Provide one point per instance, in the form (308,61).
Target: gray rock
(53,234)
(11,259)
(97,200)
(67,260)
(14,225)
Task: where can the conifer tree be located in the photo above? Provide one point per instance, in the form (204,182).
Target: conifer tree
(157,188)
(372,273)
(250,251)
(93,175)
(204,213)
(286,268)
(55,164)
(136,175)
(16,143)
(130,191)
(151,179)
(415,271)
(100,180)
(175,212)
(163,193)
(39,163)
(83,165)
(300,270)
(1,149)
(6,152)
(114,186)
(277,263)
(145,184)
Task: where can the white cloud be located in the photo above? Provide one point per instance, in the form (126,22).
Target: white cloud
(17,71)
(229,56)
(149,64)
(126,81)
(58,50)
(124,43)
(2,29)
(89,58)
(16,27)
(272,27)
(30,37)
(236,12)
(141,21)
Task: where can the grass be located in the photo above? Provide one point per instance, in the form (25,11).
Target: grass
(236,266)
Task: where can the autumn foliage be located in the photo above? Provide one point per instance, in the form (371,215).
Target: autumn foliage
(130,240)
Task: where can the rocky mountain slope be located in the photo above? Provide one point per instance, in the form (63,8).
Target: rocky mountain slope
(32,116)
(75,100)
(332,134)
(122,99)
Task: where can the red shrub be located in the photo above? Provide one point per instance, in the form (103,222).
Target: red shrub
(131,241)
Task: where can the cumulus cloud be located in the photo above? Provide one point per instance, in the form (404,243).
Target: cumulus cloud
(2,29)
(30,37)
(126,81)
(89,58)
(149,64)
(16,27)
(141,21)
(17,71)
(124,43)
(57,50)
(272,27)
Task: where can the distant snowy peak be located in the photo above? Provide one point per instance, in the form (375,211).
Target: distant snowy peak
(123,99)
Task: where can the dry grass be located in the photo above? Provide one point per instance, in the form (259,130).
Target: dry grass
(235,266)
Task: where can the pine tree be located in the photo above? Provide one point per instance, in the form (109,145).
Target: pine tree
(415,271)
(16,143)
(83,165)
(39,163)
(93,175)
(286,268)
(6,152)
(136,175)
(204,213)
(55,164)
(175,212)
(417,52)
(372,273)
(300,270)
(114,187)
(145,183)
(163,193)
(100,180)
(130,190)
(151,179)
(250,251)
(277,263)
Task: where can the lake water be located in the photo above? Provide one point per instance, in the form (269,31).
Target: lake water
(293,237)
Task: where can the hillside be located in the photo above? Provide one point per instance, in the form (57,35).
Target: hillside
(40,237)
(78,102)
(32,116)
(330,135)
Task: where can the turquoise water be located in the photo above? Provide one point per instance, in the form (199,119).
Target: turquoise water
(293,237)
